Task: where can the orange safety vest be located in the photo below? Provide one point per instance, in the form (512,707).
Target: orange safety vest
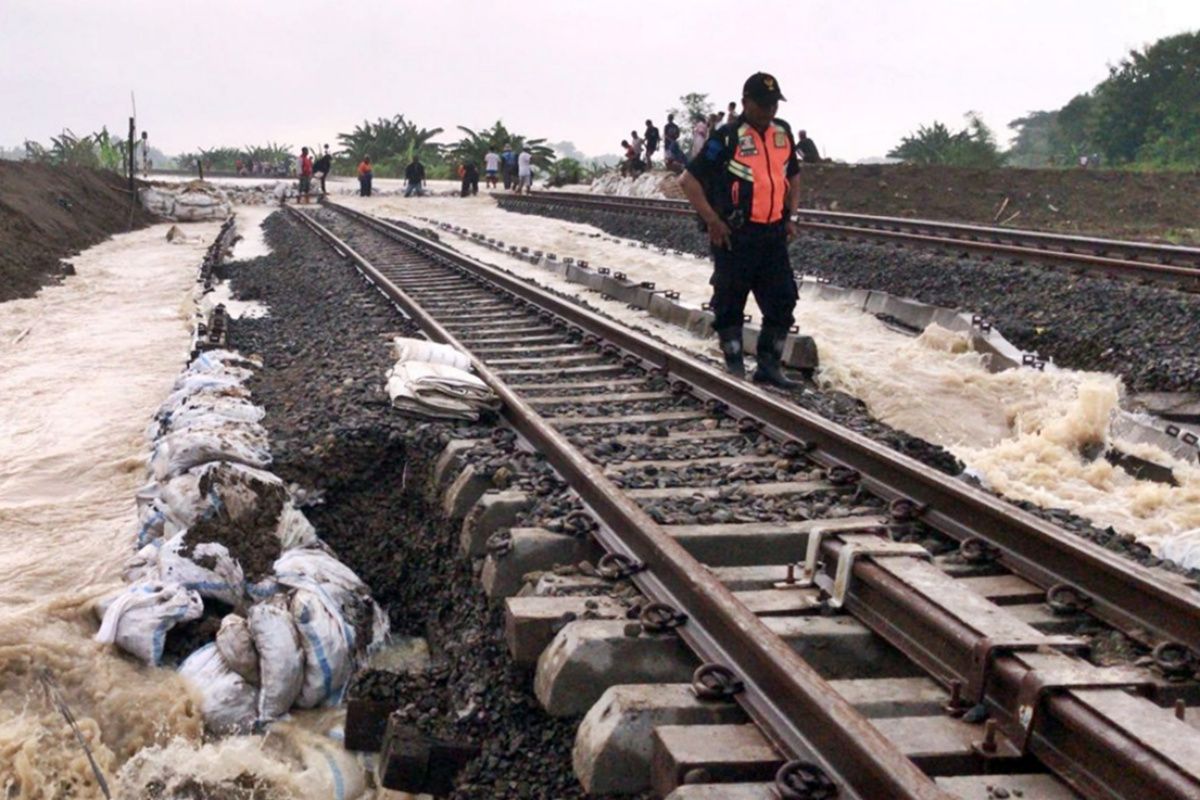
(759,166)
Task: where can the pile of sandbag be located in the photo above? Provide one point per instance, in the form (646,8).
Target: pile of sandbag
(218,534)
(435,381)
(186,202)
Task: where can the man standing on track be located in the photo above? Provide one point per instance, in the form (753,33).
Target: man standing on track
(365,173)
(306,171)
(414,173)
(651,140)
(491,165)
(509,166)
(322,166)
(745,185)
(525,171)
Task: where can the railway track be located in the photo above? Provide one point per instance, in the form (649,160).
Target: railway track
(992,624)
(1169,265)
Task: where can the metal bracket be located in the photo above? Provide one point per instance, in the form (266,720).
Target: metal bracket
(986,651)
(852,551)
(1039,683)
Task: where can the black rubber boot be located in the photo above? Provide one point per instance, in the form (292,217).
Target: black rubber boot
(731,348)
(770,354)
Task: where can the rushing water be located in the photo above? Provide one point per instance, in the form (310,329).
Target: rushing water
(83,365)
(1021,431)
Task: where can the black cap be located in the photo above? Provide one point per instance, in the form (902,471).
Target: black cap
(762,88)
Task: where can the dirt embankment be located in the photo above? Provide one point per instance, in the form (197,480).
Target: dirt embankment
(48,213)
(1142,205)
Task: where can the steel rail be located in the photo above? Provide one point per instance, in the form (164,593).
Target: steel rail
(1172,265)
(796,708)
(940,640)
(1152,606)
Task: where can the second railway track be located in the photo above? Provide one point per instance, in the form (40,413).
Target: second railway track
(1150,262)
(742,592)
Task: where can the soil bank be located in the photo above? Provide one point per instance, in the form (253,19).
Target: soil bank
(48,213)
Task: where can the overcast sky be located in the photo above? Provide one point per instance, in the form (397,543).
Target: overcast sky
(858,74)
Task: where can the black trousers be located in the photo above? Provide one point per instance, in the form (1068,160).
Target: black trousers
(757,262)
(470,186)
(364,185)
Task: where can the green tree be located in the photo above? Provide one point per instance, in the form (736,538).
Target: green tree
(1148,109)
(475,145)
(391,144)
(974,146)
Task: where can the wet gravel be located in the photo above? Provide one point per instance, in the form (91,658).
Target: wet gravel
(1149,336)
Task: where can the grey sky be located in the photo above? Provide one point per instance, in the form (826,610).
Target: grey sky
(858,73)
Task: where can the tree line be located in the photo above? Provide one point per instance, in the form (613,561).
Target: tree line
(1145,114)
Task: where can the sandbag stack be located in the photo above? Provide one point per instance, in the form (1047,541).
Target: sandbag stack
(435,381)
(220,535)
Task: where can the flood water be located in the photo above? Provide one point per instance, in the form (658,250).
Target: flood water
(83,365)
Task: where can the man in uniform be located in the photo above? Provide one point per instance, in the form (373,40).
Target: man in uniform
(745,185)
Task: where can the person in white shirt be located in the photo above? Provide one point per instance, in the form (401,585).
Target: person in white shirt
(491,165)
(525,171)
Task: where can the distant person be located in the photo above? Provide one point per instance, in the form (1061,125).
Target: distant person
(808,148)
(306,173)
(470,179)
(414,174)
(491,166)
(525,171)
(636,142)
(670,131)
(731,111)
(321,168)
(747,211)
(508,164)
(365,174)
(651,140)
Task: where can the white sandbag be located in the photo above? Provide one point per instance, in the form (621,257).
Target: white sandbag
(165,509)
(157,202)
(175,453)
(205,567)
(294,530)
(226,699)
(280,658)
(137,620)
(328,659)
(236,643)
(227,361)
(320,572)
(431,352)
(226,409)
(438,391)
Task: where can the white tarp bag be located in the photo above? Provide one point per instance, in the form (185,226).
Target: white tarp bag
(175,453)
(1183,548)
(208,568)
(280,657)
(430,352)
(438,391)
(236,643)
(226,699)
(320,572)
(328,645)
(138,619)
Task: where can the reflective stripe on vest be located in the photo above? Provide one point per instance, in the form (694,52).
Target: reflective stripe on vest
(762,161)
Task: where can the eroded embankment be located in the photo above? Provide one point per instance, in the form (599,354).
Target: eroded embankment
(48,213)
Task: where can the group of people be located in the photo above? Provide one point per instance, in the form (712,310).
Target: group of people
(309,167)
(639,150)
